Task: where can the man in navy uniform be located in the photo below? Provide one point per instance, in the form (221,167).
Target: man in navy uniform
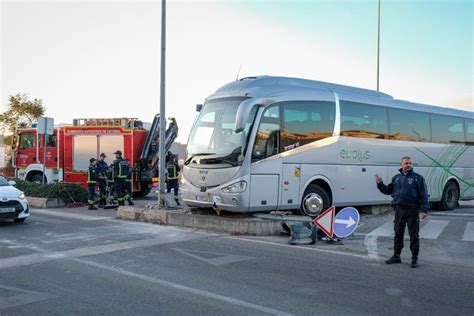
(172,170)
(120,175)
(410,196)
(91,183)
(102,181)
(128,185)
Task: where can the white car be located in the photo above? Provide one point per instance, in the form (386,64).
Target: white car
(13,202)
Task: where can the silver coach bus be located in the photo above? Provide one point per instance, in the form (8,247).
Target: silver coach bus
(274,143)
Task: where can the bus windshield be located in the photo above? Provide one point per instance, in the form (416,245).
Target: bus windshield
(213,133)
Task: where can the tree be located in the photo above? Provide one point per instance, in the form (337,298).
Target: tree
(21,112)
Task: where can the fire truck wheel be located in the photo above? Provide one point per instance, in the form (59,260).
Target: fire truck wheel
(36,178)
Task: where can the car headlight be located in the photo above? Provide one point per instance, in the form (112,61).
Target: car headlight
(22,196)
(236,187)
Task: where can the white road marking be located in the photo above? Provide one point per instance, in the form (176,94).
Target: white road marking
(24,297)
(432,229)
(68,215)
(95,250)
(386,230)
(188,289)
(469,232)
(370,243)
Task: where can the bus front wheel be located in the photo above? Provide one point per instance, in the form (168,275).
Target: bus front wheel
(315,200)
(450,198)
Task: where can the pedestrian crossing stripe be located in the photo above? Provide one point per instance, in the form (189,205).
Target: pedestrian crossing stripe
(432,229)
(469,232)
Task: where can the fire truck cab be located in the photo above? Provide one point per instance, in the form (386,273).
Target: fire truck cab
(64,156)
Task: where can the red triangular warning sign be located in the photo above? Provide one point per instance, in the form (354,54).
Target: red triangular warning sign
(325,221)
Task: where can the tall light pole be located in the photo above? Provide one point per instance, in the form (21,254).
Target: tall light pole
(161,166)
(378,45)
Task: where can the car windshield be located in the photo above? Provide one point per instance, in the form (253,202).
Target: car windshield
(213,133)
(3,182)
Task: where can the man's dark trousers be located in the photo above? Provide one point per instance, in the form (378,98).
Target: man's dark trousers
(406,216)
(120,189)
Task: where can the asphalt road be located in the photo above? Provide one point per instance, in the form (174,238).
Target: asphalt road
(88,263)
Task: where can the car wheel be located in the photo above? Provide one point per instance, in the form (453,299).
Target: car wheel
(315,200)
(19,220)
(450,198)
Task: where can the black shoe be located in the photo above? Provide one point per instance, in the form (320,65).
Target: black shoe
(414,263)
(92,207)
(131,203)
(394,259)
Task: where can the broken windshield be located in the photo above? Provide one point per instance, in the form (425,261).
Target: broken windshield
(214,133)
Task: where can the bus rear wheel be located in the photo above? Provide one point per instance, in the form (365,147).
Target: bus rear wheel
(315,200)
(450,198)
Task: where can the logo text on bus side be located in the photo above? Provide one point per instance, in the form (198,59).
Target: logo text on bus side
(355,154)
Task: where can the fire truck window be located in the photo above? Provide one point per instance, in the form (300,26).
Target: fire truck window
(50,140)
(27,141)
(108,144)
(85,148)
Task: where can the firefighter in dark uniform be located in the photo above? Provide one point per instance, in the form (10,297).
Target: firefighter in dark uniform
(172,172)
(91,183)
(120,176)
(128,185)
(102,181)
(112,193)
(410,202)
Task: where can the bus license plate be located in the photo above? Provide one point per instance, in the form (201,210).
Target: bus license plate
(7,210)
(202,198)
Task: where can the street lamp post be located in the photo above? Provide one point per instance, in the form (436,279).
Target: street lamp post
(161,166)
(378,44)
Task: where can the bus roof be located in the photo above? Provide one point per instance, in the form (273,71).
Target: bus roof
(263,86)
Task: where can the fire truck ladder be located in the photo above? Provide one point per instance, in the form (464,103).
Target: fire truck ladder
(150,153)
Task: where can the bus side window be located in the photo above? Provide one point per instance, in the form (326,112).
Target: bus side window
(469,132)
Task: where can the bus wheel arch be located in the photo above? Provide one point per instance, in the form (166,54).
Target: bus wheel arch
(317,197)
(450,196)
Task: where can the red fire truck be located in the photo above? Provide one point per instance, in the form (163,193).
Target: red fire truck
(69,149)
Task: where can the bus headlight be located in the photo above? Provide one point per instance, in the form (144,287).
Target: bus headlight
(237,187)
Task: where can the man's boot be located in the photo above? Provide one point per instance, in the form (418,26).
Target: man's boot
(414,262)
(92,207)
(394,259)
(130,202)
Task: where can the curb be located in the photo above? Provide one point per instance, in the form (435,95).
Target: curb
(236,226)
(38,202)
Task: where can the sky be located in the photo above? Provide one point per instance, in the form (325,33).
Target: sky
(102,58)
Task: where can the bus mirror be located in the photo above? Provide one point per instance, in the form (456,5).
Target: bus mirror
(243,113)
(198,107)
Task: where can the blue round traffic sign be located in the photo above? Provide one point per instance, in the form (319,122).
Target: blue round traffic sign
(346,221)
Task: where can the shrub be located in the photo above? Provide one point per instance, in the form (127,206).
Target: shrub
(67,192)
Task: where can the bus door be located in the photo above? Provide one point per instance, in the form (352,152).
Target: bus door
(266,166)
(26,151)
